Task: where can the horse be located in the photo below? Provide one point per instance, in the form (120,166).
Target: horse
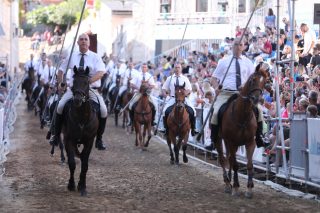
(114,99)
(142,117)
(178,123)
(27,85)
(80,127)
(41,104)
(237,128)
(125,98)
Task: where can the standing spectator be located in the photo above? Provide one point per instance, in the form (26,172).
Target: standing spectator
(270,20)
(309,37)
(286,25)
(315,60)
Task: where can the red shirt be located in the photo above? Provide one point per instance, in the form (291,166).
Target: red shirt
(267,46)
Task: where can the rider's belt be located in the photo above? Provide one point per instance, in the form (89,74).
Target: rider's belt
(172,96)
(95,87)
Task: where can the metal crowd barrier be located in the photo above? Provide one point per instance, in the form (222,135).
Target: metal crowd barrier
(7,119)
(303,152)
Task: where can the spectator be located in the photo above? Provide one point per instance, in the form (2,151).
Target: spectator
(313,100)
(266,47)
(309,37)
(270,20)
(315,60)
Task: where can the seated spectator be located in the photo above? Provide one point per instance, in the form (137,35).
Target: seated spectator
(265,47)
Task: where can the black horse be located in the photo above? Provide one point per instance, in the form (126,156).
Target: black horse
(115,100)
(80,126)
(27,85)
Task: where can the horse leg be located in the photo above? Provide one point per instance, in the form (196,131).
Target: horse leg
(145,126)
(61,146)
(84,156)
(250,149)
(137,129)
(124,119)
(184,148)
(72,167)
(115,117)
(176,148)
(234,165)
(170,149)
(52,150)
(149,136)
(222,163)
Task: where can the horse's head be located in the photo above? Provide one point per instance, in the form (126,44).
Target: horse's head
(180,94)
(80,88)
(252,90)
(144,88)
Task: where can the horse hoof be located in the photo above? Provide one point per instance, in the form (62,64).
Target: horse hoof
(71,186)
(171,162)
(235,193)
(185,160)
(248,195)
(83,192)
(228,189)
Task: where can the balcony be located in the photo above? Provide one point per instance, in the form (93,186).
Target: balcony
(213,17)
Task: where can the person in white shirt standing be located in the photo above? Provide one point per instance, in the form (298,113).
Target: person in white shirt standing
(169,88)
(309,37)
(81,59)
(144,76)
(239,72)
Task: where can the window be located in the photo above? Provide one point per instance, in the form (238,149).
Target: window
(201,5)
(165,6)
(242,6)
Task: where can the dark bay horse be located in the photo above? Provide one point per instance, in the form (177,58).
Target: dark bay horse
(143,117)
(125,98)
(80,127)
(114,100)
(28,84)
(179,126)
(238,128)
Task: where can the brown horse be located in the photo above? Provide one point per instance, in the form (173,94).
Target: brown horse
(27,85)
(238,127)
(143,117)
(179,126)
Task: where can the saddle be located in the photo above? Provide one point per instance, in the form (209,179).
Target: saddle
(224,107)
(95,107)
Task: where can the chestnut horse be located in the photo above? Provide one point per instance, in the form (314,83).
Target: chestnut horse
(143,117)
(179,126)
(238,128)
(80,127)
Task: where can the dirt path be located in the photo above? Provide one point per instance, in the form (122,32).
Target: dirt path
(122,179)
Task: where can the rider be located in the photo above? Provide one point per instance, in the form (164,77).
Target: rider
(239,72)
(169,88)
(118,70)
(30,63)
(129,74)
(143,76)
(83,58)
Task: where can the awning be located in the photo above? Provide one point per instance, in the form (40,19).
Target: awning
(1,31)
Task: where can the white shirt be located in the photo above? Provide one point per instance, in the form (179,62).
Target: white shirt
(133,73)
(147,77)
(29,64)
(170,83)
(246,69)
(110,66)
(308,37)
(42,69)
(91,60)
(48,76)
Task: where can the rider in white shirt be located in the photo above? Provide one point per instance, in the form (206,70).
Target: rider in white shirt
(169,88)
(136,84)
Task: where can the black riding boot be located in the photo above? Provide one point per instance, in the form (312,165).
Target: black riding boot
(153,109)
(99,142)
(55,137)
(214,136)
(259,136)
(165,125)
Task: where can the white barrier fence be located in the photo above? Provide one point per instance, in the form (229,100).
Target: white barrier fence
(311,163)
(7,119)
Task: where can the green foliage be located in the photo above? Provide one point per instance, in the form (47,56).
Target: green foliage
(59,14)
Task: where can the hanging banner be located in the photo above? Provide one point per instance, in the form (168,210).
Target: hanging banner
(314,148)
